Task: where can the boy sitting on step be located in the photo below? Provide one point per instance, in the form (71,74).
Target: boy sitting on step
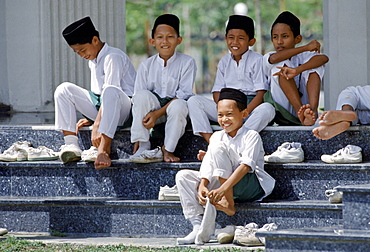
(353,107)
(294,73)
(231,170)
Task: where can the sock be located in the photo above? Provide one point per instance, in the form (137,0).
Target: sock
(143,146)
(71,139)
(190,238)
(207,228)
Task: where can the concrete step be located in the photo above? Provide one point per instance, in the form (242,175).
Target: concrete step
(96,216)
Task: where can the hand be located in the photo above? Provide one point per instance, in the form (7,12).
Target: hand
(201,154)
(202,193)
(287,72)
(216,195)
(149,120)
(81,123)
(314,46)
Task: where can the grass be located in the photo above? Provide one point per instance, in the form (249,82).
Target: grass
(12,244)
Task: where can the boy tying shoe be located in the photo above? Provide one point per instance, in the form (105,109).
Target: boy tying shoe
(108,103)
(164,82)
(240,69)
(294,73)
(231,170)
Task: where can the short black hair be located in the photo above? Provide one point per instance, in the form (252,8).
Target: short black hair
(289,19)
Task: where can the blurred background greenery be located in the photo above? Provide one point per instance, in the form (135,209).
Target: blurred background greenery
(203,28)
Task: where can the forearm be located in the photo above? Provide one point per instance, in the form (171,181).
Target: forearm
(236,176)
(314,62)
(216,96)
(285,54)
(257,100)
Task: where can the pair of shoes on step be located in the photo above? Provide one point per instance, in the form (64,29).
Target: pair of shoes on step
(334,195)
(72,153)
(286,153)
(167,193)
(148,156)
(23,151)
(246,235)
(346,155)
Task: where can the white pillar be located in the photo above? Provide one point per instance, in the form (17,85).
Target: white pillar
(347,43)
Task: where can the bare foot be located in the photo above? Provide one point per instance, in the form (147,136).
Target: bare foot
(335,116)
(306,115)
(201,154)
(168,156)
(327,132)
(102,161)
(224,206)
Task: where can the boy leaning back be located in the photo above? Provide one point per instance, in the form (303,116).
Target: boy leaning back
(240,69)
(294,73)
(164,82)
(108,103)
(232,170)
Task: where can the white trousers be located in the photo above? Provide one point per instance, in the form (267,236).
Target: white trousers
(218,162)
(359,99)
(145,101)
(70,98)
(202,109)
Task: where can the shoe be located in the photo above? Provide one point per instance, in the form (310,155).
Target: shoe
(242,232)
(266,227)
(11,154)
(3,231)
(41,153)
(286,153)
(70,153)
(247,237)
(167,193)
(346,155)
(148,156)
(226,234)
(334,195)
(90,155)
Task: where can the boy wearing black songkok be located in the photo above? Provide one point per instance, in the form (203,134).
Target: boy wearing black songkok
(294,73)
(232,170)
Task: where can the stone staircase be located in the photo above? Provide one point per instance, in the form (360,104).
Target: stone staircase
(122,200)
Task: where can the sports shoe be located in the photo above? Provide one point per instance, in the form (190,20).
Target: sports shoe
(148,156)
(167,193)
(348,154)
(242,232)
(226,234)
(286,153)
(334,195)
(41,153)
(247,237)
(70,153)
(266,227)
(90,155)
(11,154)
(3,231)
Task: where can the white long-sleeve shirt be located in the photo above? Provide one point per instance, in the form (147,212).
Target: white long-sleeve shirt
(174,80)
(112,67)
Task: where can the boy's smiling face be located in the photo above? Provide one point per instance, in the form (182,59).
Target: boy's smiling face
(238,42)
(282,37)
(88,51)
(165,41)
(230,117)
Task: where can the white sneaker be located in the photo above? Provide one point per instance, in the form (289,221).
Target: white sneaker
(40,153)
(266,227)
(247,237)
(334,195)
(148,156)
(11,154)
(348,154)
(242,233)
(167,193)
(226,234)
(90,155)
(70,153)
(3,231)
(286,153)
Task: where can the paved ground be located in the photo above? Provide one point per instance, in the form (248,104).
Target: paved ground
(151,242)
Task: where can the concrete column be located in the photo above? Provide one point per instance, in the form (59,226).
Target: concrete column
(35,59)
(347,43)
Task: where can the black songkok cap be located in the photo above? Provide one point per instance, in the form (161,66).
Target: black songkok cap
(241,22)
(80,32)
(167,19)
(290,19)
(233,94)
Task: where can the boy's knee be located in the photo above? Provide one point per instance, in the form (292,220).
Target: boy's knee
(178,107)
(194,102)
(110,92)
(182,175)
(62,88)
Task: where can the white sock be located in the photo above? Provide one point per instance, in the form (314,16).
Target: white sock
(71,139)
(190,238)
(207,228)
(143,146)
